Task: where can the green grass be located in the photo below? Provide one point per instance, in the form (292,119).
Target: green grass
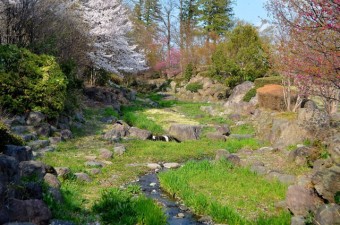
(229,194)
(243,129)
(124,208)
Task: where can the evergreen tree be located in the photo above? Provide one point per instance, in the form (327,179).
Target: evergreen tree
(215,16)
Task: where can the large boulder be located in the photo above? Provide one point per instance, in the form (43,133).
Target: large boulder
(119,130)
(20,153)
(34,210)
(183,132)
(327,182)
(313,119)
(303,155)
(8,174)
(139,133)
(300,201)
(240,91)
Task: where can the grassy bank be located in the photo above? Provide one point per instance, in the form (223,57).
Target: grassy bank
(228,194)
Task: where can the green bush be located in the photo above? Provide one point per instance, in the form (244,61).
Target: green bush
(121,207)
(188,72)
(30,82)
(260,82)
(233,81)
(7,138)
(194,87)
(249,95)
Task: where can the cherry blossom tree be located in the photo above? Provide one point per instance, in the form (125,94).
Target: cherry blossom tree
(308,51)
(109,27)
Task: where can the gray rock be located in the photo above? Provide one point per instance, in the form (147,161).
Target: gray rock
(63,172)
(109,120)
(95,171)
(32,169)
(239,92)
(8,174)
(119,130)
(216,136)
(297,220)
(94,164)
(261,170)
(29,190)
(327,182)
(234,159)
(34,210)
(38,144)
(56,194)
(66,134)
(119,149)
(234,117)
(105,153)
(184,132)
(17,120)
(19,223)
(171,165)
(55,140)
(29,137)
(139,133)
(43,129)
(327,215)
(153,166)
(241,136)
(223,129)
(313,119)
(35,118)
(60,222)
(334,149)
(52,181)
(283,178)
(221,154)
(20,153)
(83,177)
(21,129)
(79,117)
(300,201)
(302,155)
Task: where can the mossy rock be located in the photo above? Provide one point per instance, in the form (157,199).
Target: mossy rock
(7,138)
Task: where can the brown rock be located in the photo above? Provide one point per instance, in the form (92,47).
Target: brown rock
(216,136)
(184,132)
(52,180)
(105,153)
(327,214)
(221,154)
(139,133)
(300,201)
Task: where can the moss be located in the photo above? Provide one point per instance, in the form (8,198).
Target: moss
(249,95)
(8,138)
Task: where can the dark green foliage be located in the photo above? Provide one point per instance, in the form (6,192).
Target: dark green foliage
(249,95)
(121,207)
(30,82)
(337,197)
(241,57)
(188,72)
(260,82)
(7,138)
(194,87)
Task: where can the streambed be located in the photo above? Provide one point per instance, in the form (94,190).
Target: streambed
(171,208)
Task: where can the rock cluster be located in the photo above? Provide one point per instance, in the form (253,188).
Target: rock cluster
(21,187)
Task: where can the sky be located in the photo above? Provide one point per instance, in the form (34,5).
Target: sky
(250,11)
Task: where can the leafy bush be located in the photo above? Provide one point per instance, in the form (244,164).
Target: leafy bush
(8,138)
(232,81)
(188,72)
(121,207)
(30,82)
(260,82)
(194,87)
(249,95)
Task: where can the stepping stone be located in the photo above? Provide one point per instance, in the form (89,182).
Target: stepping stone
(153,166)
(171,165)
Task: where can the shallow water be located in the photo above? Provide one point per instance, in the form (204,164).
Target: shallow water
(170,206)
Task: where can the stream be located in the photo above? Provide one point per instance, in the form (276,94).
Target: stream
(171,208)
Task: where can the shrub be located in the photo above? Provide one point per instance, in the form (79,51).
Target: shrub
(232,81)
(8,138)
(260,82)
(30,82)
(188,72)
(194,87)
(249,95)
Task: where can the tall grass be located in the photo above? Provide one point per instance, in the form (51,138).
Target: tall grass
(228,194)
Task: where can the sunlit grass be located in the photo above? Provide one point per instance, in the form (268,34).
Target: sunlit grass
(229,194)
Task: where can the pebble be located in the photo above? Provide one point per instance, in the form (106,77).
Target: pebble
(180,215)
